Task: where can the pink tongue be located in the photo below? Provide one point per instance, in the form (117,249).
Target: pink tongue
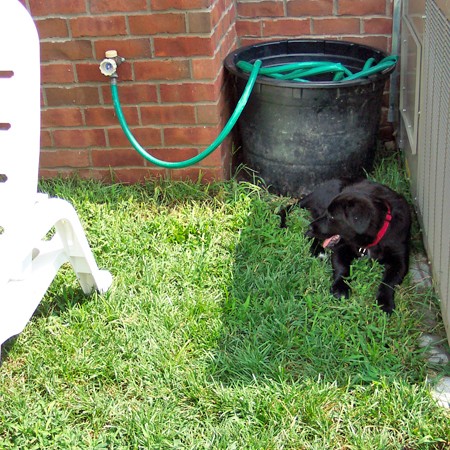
(330,240)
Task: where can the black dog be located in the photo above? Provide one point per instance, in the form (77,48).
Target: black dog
(357,217)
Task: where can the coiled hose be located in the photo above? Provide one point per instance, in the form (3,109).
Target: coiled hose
(302,70)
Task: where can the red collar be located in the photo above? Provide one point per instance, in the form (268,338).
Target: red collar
(383,229)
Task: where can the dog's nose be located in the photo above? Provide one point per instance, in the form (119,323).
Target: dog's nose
(309,232)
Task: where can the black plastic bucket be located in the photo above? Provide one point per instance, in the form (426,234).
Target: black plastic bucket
(297,135)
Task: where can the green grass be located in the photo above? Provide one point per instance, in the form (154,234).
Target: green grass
(219,332)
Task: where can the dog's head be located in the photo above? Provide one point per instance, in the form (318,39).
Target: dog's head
(350,217)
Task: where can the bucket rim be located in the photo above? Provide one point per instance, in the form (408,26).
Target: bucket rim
(232,58)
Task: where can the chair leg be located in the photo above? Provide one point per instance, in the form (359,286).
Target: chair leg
(74,242)
(22,292)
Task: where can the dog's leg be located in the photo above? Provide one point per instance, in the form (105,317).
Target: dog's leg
(285,210)
(283,216)
(395,270)
(316,248)
(341,260)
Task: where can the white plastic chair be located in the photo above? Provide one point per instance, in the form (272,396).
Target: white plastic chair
(29,259)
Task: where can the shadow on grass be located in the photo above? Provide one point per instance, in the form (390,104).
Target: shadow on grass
(280,322)
(65,294)
(6,348)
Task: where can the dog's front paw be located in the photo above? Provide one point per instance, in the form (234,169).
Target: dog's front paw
(387,309)
(340,289)
(385,299)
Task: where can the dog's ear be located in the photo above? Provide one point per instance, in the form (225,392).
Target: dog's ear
(358,214)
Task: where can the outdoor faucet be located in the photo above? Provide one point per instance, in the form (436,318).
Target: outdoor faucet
(108,66)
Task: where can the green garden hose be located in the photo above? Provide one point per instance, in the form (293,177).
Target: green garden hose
(302,70)
(293,72)
(223,134)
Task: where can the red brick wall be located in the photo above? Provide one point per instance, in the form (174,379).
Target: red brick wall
(364,21)
(171,86)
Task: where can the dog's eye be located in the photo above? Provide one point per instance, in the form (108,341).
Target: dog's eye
(331,217)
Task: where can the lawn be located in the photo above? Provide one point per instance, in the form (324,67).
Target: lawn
(219,332)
